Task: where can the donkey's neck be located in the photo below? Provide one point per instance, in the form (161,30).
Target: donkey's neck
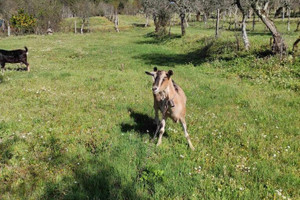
(169,92)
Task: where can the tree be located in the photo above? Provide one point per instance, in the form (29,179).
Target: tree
(161,11)
(7,8)
(183,6)
(279,46)
(83,9)
(244,10)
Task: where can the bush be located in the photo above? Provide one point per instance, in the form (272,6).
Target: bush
(23,22)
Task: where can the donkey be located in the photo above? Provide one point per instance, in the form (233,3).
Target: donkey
(170,99)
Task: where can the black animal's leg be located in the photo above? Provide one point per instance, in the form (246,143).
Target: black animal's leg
(27,66)
(2,67)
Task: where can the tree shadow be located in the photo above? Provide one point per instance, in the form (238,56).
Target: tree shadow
(251,33)
(93,180)
(263,53)
(196,57)
(157,39)
(6,149)
(140,25)
(143,124)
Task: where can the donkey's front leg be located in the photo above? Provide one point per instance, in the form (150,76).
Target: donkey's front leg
(157,129)
(156,116)
(161,131)
(157,122)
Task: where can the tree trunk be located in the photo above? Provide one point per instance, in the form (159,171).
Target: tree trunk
(253,21)
(205,18)
(3,26)
(235,18)
(8,28)
(217,23)
(289,22)
(116,22)
(156,24)
(82,26)
(295,48)
(88,24)
(244,30)
(229,26)
(186,22)
(170,26)
(298,25)
(283,12)
(182,23)
(75,25)
(279,46)
(198,16)
(147,21)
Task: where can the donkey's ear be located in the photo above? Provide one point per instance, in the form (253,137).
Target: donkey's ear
(170,73)
(149,73)
(155,69)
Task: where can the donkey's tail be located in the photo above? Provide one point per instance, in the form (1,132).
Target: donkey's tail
(26,49)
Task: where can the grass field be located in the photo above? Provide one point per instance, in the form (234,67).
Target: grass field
(78,126)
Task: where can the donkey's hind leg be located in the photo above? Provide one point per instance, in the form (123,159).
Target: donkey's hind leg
(157,129)
(157,122)
(183,123)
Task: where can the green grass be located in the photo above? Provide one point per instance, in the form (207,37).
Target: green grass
(78,126)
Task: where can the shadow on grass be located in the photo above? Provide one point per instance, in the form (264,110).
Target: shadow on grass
(156,39)
(263,53)
(143,124)
(93,180)
(195,57)
(139,25)
(16,69)
(250,33)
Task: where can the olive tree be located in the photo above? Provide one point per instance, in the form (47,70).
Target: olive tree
(244,7)
(260,7)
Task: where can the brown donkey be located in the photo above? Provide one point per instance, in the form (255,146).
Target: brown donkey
(170,99)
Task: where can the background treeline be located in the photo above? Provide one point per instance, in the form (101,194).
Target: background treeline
(49,13)
(39,17)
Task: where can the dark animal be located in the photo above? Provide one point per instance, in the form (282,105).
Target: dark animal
(14,56)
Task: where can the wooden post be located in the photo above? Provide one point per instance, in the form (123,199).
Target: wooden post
(3,26)
(182,23)
(217,23)
(8,28)
(289,21)
(116,22)
(147,20)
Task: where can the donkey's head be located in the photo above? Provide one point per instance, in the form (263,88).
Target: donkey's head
(161,79)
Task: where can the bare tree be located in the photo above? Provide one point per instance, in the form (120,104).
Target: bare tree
(83,9)
(161,11)
(7,8)
(244,10)
(183,7)
(279,46)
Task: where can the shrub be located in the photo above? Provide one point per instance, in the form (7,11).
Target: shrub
(23,22)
